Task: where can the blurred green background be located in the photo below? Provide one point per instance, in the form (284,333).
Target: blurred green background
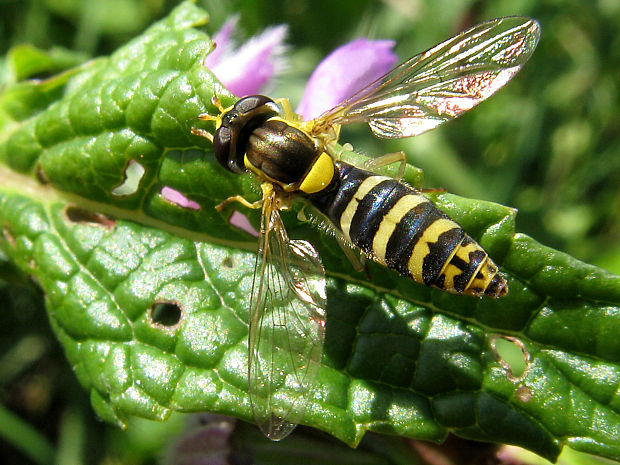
(548,144)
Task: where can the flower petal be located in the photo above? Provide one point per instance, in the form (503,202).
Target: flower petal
(345,71)
(246,70)
(223,43)
(175,197)
(242,222)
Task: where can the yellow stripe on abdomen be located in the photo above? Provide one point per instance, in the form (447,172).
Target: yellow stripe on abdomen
(422,249)
(389,222)
(360,193)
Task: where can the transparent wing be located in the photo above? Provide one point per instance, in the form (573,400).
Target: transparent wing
(441,83)
(287,324)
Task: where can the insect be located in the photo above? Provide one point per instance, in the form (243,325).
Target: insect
(390,222)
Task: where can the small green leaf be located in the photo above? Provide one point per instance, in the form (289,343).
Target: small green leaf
(399,358)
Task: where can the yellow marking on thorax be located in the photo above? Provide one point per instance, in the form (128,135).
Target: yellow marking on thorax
(421,249)
(360,193)
(390,220)
(248,164)
(320,175)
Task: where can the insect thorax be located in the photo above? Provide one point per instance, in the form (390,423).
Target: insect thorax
(253,136)
(281,151)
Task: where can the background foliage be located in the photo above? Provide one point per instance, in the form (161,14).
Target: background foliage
(548,145)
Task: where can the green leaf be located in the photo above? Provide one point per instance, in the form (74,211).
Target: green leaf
(27,61)
(149,300)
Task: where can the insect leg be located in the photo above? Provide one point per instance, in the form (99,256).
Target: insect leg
(218,104)
(238,198)
(356,260)
(208,117)
(336,151)
(216,101)
(387,159)
(202,133)
(267,189)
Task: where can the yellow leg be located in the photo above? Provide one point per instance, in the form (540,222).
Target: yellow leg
(216,101)
(388,159)
(217,104)
(202,133)
(208,117)
(237,198)
(267,189)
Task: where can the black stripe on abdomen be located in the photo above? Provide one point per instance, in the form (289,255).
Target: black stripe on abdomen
(371,211)
(406,235)
(334,202)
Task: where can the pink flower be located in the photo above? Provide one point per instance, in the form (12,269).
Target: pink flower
(245,70)
(345,71)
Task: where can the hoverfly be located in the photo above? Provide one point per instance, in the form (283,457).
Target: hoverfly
(390,222)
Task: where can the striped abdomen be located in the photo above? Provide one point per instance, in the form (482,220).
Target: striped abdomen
(403,230)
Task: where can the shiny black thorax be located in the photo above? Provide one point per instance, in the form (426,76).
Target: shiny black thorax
(252,129)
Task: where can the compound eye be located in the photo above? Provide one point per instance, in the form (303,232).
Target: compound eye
(252,102)
(221,145)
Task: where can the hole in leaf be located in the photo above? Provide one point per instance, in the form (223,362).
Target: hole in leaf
(41,176)
(134,172)
(166,314)
(228,263)
(512,355)
(79,215)
(524,394)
